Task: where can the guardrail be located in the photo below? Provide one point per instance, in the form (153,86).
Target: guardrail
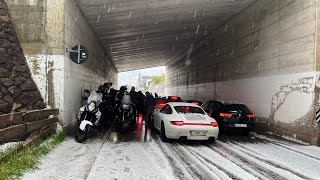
(20,126)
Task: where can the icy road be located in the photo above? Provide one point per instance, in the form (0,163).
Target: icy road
(142,155)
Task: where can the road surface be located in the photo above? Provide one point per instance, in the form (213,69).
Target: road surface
(142,155)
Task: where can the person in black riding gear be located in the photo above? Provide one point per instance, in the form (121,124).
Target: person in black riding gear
(134,99)
(105,106)
(120,94)
(140,102)
(149,107)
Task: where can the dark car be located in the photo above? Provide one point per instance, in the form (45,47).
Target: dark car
(199,103)
(173,99)
(230,115)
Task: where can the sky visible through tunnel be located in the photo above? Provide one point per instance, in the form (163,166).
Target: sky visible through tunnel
(131,78)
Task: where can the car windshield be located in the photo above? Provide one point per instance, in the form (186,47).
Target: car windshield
(189,109)
(237,107)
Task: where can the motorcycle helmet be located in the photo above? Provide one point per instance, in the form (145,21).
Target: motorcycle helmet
(123,88)
(107,85)
(102,89)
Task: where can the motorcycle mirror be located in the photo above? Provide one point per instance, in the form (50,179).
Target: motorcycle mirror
(86,94)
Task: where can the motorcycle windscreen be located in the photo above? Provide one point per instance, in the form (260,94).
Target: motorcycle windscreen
(94,96)
(126,99)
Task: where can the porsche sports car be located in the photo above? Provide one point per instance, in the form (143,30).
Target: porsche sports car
(185,121)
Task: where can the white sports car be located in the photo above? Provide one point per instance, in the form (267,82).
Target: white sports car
(186,121)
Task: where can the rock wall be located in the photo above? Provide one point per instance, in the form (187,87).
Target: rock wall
(18,91)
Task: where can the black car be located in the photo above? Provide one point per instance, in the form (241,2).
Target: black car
(199,103)
(230,115)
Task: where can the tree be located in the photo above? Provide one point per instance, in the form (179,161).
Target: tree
(158,79)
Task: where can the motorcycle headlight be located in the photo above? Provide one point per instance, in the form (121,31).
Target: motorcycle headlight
(82,109)
(91,106)
(125,106)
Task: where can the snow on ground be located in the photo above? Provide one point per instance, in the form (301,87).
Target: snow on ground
(131,160)
(69,161)
(7,146)
(244,158)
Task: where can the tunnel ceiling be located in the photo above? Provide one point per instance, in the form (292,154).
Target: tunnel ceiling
(146,33)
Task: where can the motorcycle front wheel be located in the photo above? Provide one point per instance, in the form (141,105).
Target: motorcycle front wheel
(81,136)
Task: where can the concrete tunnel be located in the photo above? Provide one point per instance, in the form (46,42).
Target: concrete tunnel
(261,52)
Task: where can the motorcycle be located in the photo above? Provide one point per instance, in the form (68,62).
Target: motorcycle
(125,117)
(89,116)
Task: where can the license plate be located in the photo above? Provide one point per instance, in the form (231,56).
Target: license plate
(198,133)
(240,125)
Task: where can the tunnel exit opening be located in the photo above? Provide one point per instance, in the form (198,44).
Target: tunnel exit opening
(151,80)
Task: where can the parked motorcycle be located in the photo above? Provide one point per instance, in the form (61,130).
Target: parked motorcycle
(89,116)
(125,117)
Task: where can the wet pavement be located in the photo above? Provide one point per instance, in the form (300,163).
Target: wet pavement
(140,154)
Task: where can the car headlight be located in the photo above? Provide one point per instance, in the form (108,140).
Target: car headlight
(91,106)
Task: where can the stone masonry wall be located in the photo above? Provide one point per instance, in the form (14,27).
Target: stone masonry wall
(18,91)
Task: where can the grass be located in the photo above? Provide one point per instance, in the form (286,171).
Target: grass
(16,163)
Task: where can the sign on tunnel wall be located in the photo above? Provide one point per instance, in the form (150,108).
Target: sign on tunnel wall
(79,54)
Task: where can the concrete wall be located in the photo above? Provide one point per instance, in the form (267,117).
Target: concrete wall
(45,29)
(265,57)
(97,70)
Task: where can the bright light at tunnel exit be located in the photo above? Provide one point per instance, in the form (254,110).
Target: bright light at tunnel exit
(150,79)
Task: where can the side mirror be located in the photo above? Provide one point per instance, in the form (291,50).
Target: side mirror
(86,94)
(156,110)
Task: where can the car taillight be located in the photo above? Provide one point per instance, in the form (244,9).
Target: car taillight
(177,123)
(196,103)
(250,116)
(159,105)
(214,124)
(225,115)
(174,97)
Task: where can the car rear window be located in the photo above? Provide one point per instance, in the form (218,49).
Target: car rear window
(237,107)
(188,109)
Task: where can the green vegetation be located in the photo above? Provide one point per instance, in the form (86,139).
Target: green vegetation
(16,163)
(158,79)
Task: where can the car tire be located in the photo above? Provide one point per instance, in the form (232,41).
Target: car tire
(152,124)
(245,132)
(212,140)
(163,136)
